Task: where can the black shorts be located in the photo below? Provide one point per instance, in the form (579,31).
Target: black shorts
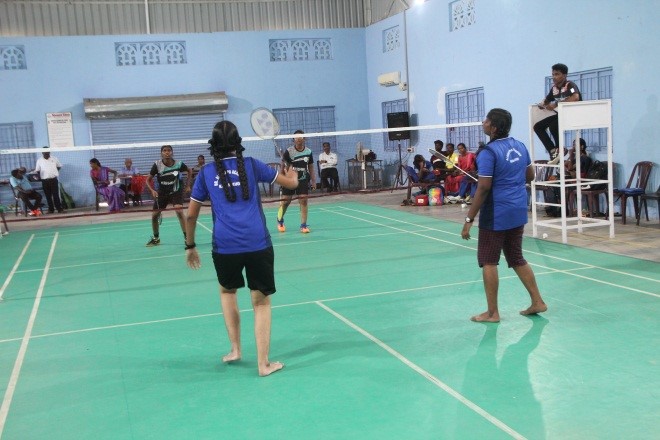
(492,243)
(303,188)
(164,199)
(259,270)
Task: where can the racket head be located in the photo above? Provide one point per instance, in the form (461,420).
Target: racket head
(264,123)
(439,154)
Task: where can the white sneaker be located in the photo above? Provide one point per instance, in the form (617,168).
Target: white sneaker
(554,157)
(5,233)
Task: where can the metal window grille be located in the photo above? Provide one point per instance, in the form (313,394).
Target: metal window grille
(593,84)
(309,120)
(16,135)
(465,106)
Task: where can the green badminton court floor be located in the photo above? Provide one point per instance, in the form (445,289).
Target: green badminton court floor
(104,338)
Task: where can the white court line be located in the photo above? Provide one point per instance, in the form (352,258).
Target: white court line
(428,376)
(13,379)
(14,269)
(527,251)
(301,303)
(407,231)
(128,260)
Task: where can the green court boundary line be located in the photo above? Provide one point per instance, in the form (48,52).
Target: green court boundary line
(425,374)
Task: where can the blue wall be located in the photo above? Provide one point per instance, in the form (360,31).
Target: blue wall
(509,51)
(64,70)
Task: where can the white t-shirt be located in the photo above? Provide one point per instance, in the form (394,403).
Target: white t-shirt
(331,159)
(48,168)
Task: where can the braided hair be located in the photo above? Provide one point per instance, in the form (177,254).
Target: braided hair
(225,142)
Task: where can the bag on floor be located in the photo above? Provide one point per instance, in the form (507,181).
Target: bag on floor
(66,199)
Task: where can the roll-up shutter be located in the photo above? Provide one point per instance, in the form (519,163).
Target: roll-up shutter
(163,129)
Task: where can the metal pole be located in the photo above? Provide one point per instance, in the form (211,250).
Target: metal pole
(146,16)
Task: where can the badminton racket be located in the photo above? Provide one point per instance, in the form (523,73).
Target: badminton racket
(267,127)
(448,160)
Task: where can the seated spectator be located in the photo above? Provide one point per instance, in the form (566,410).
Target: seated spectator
(465,161)
(25,191)
(328,164)
(125,175)
(468,162)
(423,168)
(101,177)
(585,161)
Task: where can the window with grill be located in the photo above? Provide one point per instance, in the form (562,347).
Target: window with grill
(593,84)
(465,106)
(13,136)
(309,120)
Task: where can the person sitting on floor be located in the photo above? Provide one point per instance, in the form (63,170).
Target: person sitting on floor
(25,191)
(423,168)
(101,177)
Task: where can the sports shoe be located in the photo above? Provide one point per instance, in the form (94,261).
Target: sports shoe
(468,199)
(280,226)
(5,233)
(304,229)
(153,242)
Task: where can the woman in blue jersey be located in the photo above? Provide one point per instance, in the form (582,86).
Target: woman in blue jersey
(240,237)
(504,168)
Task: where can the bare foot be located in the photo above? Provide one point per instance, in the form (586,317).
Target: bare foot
(486,317)
(232,356)
(270,368)
(534,309)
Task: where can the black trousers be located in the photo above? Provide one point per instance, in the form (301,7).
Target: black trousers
(51,189)
(541,127)
(330,178)
(32,195)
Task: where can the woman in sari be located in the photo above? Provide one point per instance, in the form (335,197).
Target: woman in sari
(101,177)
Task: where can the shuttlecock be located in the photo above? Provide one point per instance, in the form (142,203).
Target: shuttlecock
(545,235)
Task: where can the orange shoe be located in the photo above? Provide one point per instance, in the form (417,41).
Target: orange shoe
(304,229)
(280,226)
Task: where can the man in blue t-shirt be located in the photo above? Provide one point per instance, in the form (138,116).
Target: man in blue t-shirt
(504,169)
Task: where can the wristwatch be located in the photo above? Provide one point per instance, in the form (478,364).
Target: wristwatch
(468,220)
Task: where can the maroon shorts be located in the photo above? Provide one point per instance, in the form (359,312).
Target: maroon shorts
(492,243)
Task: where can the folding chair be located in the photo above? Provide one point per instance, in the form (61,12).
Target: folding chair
(636,187)
(642,202)
(18,201)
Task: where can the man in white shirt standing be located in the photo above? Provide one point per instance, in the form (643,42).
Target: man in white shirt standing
(49,170)
(328,164)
